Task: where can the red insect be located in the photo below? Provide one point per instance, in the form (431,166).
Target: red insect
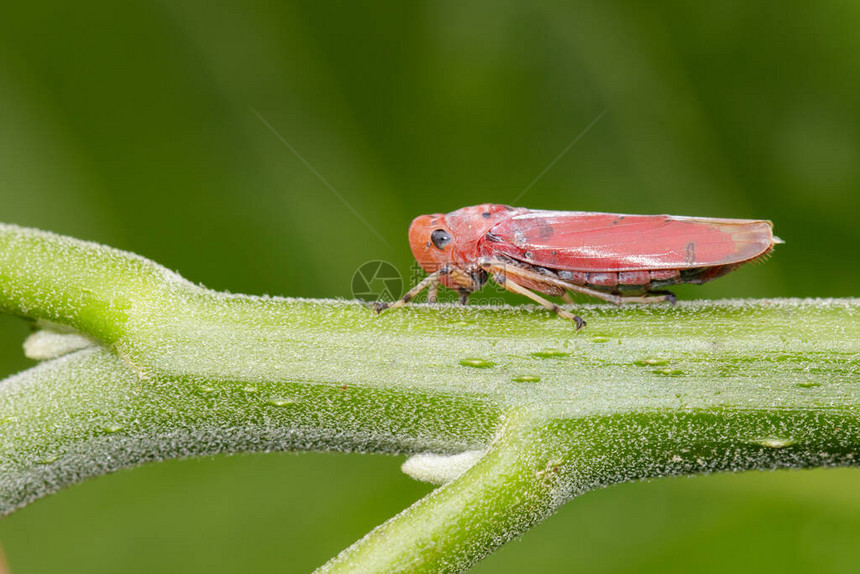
(617,258)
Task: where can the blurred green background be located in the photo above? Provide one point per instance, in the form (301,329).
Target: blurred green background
(136,124)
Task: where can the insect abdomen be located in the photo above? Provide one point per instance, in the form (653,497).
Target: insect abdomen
(643,280)
(610,280)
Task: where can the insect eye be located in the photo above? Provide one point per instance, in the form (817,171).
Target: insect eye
(440,238)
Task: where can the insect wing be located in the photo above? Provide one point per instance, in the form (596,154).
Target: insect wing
(590,241)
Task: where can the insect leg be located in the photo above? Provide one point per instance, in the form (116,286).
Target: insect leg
(464,297)
(649,297)
(663,295)
(526,273)
(608,297)
(431,281)
(432,292)
(514,287)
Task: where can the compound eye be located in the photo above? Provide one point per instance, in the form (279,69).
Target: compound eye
(440,238)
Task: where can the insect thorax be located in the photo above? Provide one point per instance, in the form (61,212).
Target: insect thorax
(465,278)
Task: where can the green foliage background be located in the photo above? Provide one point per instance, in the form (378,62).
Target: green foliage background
(133,124)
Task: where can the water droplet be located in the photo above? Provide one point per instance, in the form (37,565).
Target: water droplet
(550,354)
(526,379)
(667,372)
(113,428)
(250,388)
(600,339)
(5,420)
(49,459)
(477,363)
(775,442)
(281,402)
(651,362)
(809,385)
(206,390)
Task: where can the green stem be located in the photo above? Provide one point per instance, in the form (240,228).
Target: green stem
(178,370)
(511,488)
(537,464)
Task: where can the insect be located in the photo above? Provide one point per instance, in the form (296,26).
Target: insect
(614,257)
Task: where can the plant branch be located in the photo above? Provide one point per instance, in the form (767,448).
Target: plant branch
(176,370)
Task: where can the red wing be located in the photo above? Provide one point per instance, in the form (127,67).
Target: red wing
(586,241)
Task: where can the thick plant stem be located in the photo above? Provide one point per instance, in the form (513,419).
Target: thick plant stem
(173,370)
(536,464)
(45,276)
